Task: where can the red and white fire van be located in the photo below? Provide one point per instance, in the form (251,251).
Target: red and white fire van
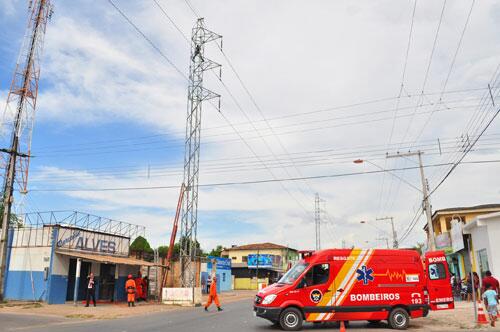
(355,284)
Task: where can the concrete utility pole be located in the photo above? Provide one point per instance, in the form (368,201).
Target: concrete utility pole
(19,117)
(317,220)
(395,243)
(425,190)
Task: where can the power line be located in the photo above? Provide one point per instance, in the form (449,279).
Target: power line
(92,150)
(450,70)
(146,38)
(334,108)
(421,96)
(279,180)
(465,153)
(398,101)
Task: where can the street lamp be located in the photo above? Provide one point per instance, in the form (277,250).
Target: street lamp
(360,161)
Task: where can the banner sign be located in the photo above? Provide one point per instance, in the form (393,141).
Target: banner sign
(86,241)
(457,238)
(443,240)
(264,261)
(221,263)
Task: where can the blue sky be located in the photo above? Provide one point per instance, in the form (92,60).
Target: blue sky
(111,112)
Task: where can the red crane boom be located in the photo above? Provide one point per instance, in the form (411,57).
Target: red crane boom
(173,234)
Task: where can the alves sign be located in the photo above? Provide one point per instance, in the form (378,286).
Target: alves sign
(79,240)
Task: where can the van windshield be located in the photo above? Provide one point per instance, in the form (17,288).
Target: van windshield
(293,273)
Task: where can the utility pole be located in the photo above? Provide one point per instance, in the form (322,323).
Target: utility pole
(425,190)
(196,95)
(395,243)
(317,220)
(19,117)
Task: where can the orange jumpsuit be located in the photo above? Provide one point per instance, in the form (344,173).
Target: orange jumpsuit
(130,289)
(138,286)
(212,296)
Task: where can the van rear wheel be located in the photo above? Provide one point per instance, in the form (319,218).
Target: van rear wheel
(291,319)
(399,319)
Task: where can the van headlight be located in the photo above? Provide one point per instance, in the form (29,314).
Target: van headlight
(269,299)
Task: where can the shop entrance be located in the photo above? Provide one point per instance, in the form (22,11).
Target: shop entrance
(84,272)
(107,282)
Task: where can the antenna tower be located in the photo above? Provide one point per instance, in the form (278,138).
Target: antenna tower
(196,95)
(19,115)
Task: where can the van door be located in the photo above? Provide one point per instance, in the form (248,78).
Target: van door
(438,281)
(317,293)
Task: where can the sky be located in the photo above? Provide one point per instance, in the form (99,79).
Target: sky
(307,88)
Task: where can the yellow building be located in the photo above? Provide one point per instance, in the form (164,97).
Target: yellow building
(267,261)
(458,260)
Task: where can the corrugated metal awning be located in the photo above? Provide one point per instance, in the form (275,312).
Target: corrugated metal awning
(106,258)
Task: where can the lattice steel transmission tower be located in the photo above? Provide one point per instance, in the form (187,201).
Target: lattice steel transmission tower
(317,220)
(19,116)
(196,95)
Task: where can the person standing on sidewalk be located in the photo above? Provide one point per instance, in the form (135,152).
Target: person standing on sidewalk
(475,283)
(489,280)
(130,289)
(138,285)
(490,297)
(212,296)
(90,289)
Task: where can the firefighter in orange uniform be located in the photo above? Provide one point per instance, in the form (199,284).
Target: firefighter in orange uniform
(138,285)
(212,296)
(130,289)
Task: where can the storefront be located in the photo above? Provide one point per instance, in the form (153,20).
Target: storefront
(221,269)
(44,260)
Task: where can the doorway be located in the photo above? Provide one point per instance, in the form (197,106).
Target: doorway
(85,270)
(107,282)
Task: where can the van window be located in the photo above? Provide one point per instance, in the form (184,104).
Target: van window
(293,273)
(318,274)
(437,271)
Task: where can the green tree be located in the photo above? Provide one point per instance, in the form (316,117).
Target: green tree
(15,221)
(140,244)
(216,252)
(162,251)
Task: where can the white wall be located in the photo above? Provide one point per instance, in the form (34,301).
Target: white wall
(29,259)
(60,266)
(493,232)
(487,236)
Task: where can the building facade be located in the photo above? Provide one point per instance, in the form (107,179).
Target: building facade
(258,263)
(448,227)
(485,232)
(50,261)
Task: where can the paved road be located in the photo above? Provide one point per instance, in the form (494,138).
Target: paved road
(237,316)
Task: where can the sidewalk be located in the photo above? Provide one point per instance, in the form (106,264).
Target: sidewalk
(461,318)
(108,311)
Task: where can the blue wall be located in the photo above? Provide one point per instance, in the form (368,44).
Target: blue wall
(58,288)
(18,286)
(120,289)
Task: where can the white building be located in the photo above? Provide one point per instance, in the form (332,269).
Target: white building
(485,233)
(44,252)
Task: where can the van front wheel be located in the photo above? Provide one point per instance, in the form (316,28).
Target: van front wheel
(399,319)
(291,319)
